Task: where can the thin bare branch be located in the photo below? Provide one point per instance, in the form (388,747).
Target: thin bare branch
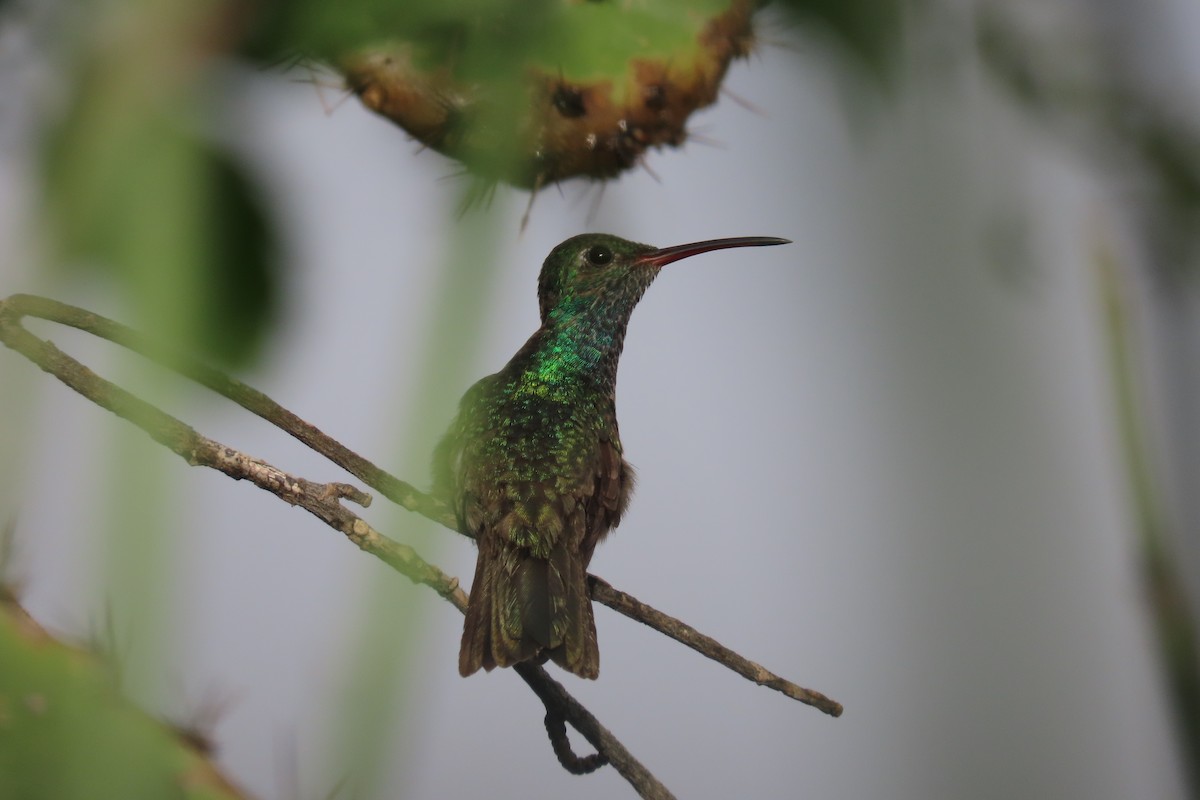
(557,698)
(603,592)
(254,401)
(396,490)
(324,502)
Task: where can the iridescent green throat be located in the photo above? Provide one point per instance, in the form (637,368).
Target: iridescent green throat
(573,352)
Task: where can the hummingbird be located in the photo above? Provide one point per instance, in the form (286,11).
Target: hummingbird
(532,465)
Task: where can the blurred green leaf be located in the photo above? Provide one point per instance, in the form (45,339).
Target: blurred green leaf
(179,224)
(241,293)
(133,192)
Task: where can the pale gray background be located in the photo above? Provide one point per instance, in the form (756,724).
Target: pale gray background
(882,461)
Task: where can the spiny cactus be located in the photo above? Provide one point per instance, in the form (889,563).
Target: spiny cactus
(66,732)
(532,94)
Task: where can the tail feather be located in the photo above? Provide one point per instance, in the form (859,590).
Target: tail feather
(493,633)
(476,649)
(534,600)
(523,608)
(576,649)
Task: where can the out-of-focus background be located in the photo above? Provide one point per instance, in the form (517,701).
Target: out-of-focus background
(937,459)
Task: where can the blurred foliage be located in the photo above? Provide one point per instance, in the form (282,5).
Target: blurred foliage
(579,89)
(1172,613)
(868,30)
(1086,95)
(66,733)
(1073,80)
(579,38)
(240,297)
(179,223)
(134,188)
(1172,157)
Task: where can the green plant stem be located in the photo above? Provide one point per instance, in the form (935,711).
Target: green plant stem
(1174,623)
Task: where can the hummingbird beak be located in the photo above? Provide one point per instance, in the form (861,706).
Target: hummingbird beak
(665,255)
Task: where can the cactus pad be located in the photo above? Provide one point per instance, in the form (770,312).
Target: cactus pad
(538,93)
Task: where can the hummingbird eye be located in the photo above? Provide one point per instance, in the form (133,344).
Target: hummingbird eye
(599,255)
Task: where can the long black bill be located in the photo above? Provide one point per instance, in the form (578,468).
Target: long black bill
(665,255)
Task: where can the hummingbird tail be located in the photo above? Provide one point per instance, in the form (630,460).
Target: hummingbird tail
(487,642)
(572,643)
(525,608)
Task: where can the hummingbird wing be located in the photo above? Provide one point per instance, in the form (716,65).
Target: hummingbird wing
(592,508)
(613,480)
(448,456)
(491,632)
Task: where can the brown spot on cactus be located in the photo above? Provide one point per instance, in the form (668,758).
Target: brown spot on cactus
(597,86)
(568,100)
(655,95)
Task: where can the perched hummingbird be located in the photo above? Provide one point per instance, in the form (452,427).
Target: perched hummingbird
(533,466)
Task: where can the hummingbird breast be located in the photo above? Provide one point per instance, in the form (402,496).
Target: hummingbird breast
(523,457)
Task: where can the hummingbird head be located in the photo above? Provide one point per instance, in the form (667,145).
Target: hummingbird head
(600,276)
